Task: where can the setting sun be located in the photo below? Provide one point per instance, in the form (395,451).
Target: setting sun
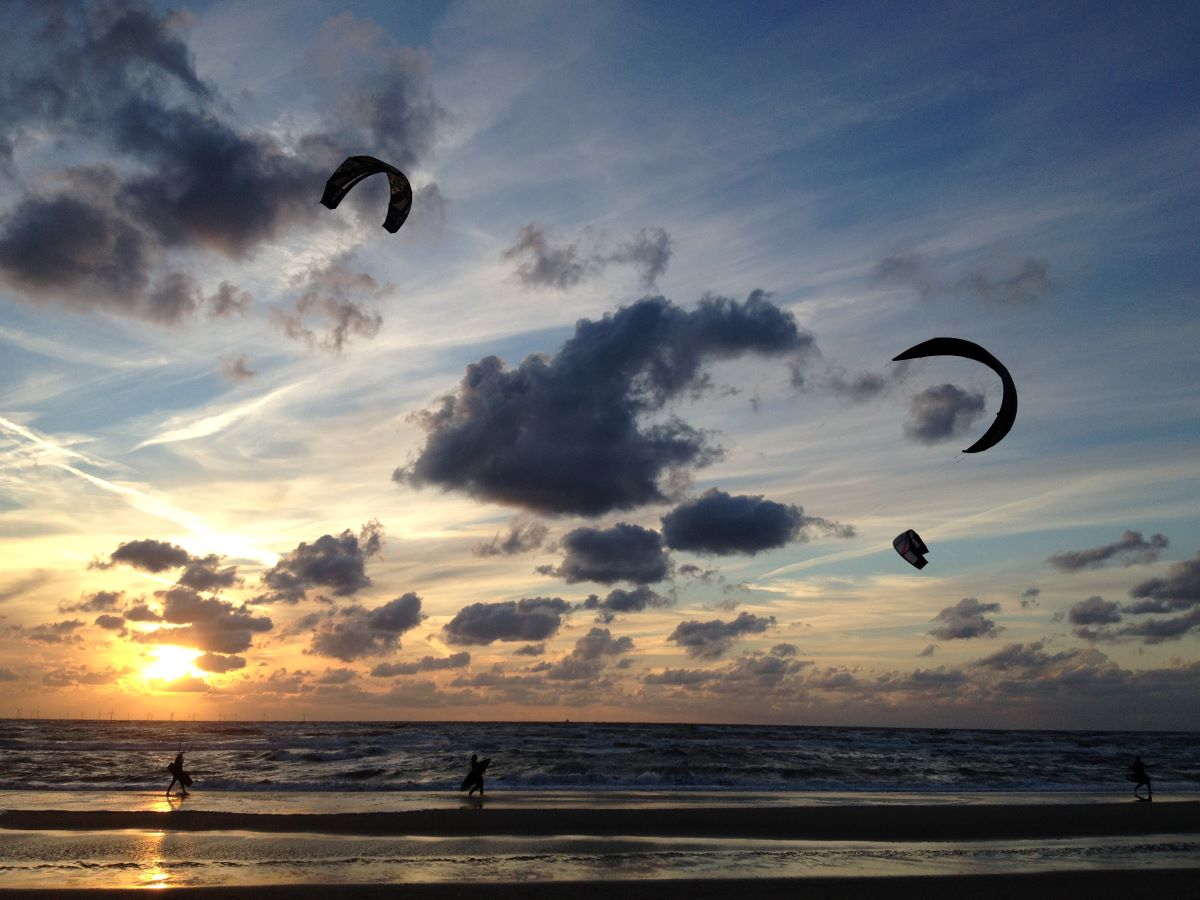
(171,663)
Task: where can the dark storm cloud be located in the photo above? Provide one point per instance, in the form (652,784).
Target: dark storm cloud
(1094,611)
(721,524)
(1132,549)
(561,434)
(338,297)
(355,632)
(998,281)
(148,555)
(217,663)
(965,620)
(710,640)
(424,664)
(207,623)
(99,601)
(522,536)
(606,555)
(184,176)
(942,412)
(237,368)
(619,602)
(543,263)
(337,564)
(528,619)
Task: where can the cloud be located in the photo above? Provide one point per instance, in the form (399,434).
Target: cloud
(1132,549)
(50,632)
(965,620)
(110,623)
(336,295)
(531,650)
(216,626)
(337,676)
(999,281)
(354,632)
(337,564)
(8,675)
(622,553)
(942,412)
(22,586)
(215,662)
(721,524)
(140,612)
(424,664)
(543,264)
(710,640)
(1179,590)
(1094,611)
(99,601)
(228,300)
(523,535)
(561,434)
(206,574)
(528,619)
(1029,597)
(587,660)
(183,179)
(148,555)
(621,601)
(929,650)
(237,368)
(864,386)
(599,642)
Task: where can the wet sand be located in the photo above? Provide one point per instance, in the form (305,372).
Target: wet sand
(853,823)
(1171,884)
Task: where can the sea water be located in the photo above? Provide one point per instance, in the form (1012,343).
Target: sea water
(432,756)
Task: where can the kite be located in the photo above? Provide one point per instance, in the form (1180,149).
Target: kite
(911,547)
(947,346)
(354,170)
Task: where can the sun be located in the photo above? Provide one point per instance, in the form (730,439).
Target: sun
(171,663)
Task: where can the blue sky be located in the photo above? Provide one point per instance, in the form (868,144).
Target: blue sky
(1022,176)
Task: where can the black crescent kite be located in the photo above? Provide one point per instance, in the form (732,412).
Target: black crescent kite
(948,346)
(354,170)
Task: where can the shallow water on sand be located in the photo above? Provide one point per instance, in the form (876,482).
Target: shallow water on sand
(140,859)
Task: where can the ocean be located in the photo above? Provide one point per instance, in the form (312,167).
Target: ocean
(414,757)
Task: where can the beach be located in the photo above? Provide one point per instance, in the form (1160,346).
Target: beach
(642,844)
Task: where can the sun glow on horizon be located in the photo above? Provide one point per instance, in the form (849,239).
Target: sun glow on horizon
(172,663)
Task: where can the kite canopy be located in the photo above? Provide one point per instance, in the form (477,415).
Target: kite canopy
(354,170)
(947,346)
(912,548)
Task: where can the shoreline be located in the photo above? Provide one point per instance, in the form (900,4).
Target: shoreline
(924,822)
(1162,884)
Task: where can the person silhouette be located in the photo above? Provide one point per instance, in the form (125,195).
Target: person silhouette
(474,779)
(1138,775)
(178,774)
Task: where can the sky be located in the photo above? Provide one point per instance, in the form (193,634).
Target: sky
(610,429)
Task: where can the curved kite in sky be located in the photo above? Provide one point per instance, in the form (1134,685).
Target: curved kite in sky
(947,346)
(912,548)
(354,170)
